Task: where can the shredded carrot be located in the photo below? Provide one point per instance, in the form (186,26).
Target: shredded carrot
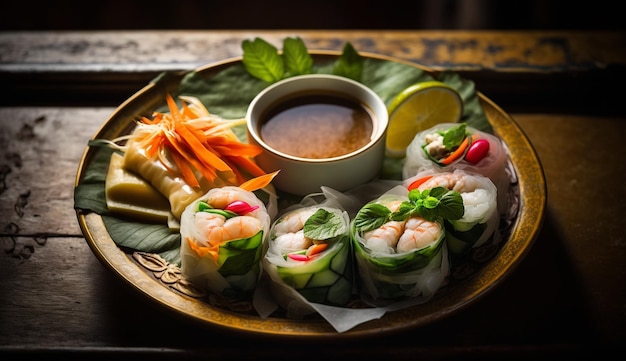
(204,251)
(458,153)
(258,182)
(185,170)
(317,248)
(419,182)
(200,144)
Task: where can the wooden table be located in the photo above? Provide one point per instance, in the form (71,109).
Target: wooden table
(566,299)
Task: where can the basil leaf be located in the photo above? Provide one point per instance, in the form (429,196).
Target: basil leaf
(371,216)
(451,206)
(405,211)
(454,136)
(261,60)
(297,59)
(431,204)
(324,225)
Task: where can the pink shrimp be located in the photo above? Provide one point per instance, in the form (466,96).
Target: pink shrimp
(293,241)
(384,237)
(418,233)
(226,196)
(217,229)
(294,221)
(241,227)
(452,181)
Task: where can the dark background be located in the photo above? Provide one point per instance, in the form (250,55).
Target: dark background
(302,14)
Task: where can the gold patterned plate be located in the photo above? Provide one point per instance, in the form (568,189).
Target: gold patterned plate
(156,281)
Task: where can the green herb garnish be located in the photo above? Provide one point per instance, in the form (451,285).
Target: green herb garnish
(324,225)
(349,64)
(454,136)
(262,60)
(430,204)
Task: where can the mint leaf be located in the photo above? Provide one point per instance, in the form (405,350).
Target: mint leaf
(297,59)
(349,64)
(261,60)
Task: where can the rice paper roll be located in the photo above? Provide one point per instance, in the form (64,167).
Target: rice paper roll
(223,237)
(449,146)
(480,219)
(309,253)
(399,245)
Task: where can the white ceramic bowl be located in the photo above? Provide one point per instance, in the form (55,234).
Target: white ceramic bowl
(302,176)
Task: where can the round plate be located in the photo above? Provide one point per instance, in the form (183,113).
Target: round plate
(532,204)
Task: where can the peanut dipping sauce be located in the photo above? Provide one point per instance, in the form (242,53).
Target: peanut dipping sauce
(317,126)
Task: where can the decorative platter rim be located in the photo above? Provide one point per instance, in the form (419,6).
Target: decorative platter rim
(532,206)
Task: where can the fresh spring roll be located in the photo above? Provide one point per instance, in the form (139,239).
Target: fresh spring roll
(399,244)
(223,237)
(449,146)
(309,253)
(480,218)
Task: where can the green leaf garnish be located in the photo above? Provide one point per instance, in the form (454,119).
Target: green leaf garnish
(454,136)
(431,204)
(324,225)
(349,64)
(261,60)
(297,59)
(371,216)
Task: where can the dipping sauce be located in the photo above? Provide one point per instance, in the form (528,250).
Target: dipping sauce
(317,126)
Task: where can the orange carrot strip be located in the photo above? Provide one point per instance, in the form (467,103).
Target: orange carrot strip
(237,177)
(185,170)
(171,104)
(258,182)
(188,112)
(203,251)
(457,153)
(202,151)
(152,144)
(197,133)
(419,182)
(248,165)
(208,172)
(155,120)
(248,150)
(317,248)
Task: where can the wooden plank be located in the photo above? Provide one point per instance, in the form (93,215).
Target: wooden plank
(42,148)
(183,49)
(105,68)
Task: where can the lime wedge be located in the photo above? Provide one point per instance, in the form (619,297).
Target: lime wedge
(419,107)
